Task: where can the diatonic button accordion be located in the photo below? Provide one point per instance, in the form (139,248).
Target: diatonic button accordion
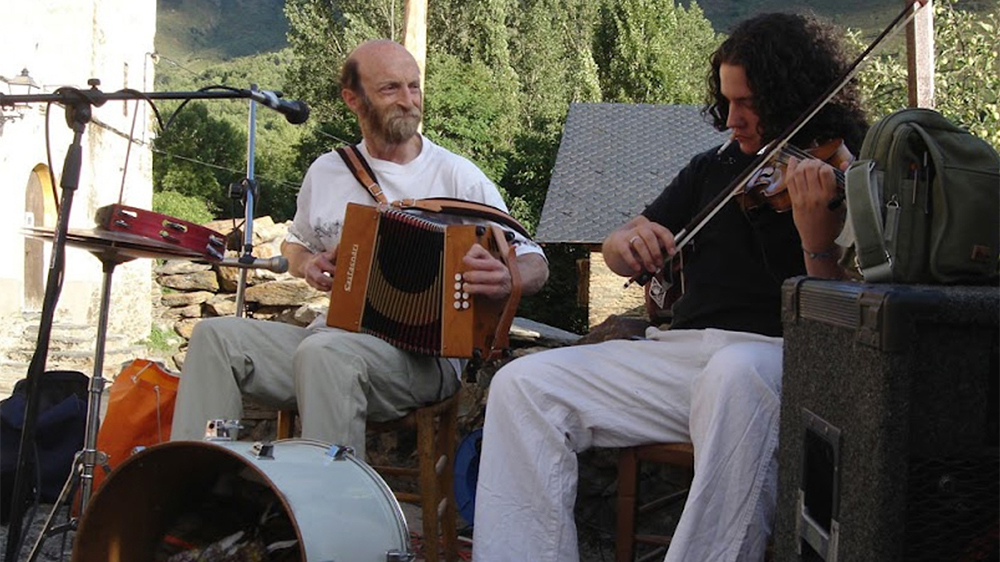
(399,277)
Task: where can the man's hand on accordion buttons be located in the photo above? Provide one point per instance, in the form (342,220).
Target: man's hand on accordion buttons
(319,270)
(485,275)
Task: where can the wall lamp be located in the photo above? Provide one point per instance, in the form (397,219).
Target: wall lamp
(22,84)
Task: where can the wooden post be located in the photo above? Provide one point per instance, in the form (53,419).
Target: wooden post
(415,32)
(415,35)
(920,57)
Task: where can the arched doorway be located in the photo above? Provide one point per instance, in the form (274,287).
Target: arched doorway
(39,210)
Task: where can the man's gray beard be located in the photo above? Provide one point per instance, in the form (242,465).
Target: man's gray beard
(394,128)
(399,129)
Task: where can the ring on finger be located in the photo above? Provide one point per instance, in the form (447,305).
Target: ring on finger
(632,240)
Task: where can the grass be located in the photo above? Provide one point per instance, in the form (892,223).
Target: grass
(161,340)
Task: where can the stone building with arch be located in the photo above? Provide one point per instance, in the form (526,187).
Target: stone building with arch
(45,45)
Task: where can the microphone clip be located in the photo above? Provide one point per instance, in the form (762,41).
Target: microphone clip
(238,190)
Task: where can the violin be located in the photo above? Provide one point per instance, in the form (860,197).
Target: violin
(766,187)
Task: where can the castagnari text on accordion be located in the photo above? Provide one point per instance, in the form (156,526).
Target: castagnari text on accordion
(399,277)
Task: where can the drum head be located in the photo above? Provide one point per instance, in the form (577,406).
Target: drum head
(191,494)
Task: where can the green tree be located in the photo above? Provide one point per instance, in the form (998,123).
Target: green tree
(474,31)
(477,33)
(184,207)
(278,179)
(467,114)
(274,157)
(198,156)
(966,75)
(653,51)
(551,49)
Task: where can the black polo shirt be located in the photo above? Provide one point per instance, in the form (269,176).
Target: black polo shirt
(735,265)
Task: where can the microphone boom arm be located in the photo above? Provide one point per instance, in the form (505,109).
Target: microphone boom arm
(295,112)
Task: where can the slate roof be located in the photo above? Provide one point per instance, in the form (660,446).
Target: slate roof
(614,159)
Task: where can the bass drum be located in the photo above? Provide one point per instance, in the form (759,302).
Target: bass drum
(340,508)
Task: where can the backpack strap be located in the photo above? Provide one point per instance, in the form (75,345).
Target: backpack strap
(864,208)
(358,166)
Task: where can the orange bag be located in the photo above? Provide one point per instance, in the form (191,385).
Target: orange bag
(139,413)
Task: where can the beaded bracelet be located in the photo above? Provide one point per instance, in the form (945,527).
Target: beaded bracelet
(820,255)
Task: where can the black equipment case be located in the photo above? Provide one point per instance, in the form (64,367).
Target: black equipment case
(889,445)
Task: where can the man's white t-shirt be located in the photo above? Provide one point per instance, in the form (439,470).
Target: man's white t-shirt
(436,172)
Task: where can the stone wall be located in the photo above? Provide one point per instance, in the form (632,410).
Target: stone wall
(191,291)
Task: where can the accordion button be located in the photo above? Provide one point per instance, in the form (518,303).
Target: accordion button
(465,296)
(458,295)
(458,287)
(465,304)
(458,305)
(458,277)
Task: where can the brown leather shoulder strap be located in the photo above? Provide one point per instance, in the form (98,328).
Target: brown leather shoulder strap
(358,166)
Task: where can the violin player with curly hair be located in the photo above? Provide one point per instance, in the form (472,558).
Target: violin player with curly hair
(714,377)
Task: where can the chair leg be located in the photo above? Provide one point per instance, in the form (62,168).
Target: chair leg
(285,425)
(428,483)
(628,468)
(447,437)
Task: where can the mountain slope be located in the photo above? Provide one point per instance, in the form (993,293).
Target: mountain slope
(214,30)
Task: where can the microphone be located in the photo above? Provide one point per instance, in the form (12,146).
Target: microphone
(277,264)
(295,111)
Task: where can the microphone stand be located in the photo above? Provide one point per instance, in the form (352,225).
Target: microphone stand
(78,114)
(78,105)
(248,192)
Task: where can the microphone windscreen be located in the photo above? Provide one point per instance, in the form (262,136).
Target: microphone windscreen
(299,115)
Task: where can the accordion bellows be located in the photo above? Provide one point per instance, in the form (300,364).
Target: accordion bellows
(399,277)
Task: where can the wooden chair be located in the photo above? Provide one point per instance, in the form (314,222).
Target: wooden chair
(629,459)
(629,506)
(437,436)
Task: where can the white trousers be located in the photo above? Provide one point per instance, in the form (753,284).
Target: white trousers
(717,389)
(335,379)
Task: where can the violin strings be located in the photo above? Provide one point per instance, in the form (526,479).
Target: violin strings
(789,150)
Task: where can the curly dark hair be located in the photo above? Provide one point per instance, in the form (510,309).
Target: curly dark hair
(790,61)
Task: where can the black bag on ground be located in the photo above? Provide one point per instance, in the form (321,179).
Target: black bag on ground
(59,433)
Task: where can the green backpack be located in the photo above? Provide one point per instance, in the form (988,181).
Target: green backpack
(923,200)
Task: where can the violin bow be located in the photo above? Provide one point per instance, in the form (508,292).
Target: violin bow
(766,153)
